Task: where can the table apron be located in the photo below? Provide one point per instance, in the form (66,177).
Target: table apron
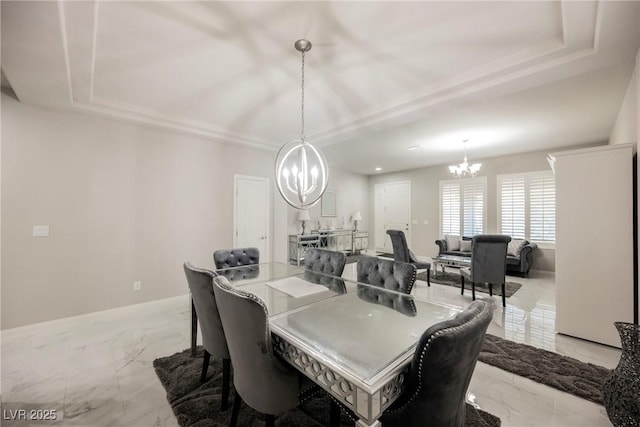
(368,403)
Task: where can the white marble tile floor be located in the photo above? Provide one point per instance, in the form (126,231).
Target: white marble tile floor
(96,370)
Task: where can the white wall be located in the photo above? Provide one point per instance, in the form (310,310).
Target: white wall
(626,126)
(123,203)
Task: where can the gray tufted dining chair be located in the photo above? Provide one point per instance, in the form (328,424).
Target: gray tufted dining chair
(393,275)
(325,261)
(488,263)
(401,252)
(440,371)
(229,258)
(260,379)
(225,258)
(213,338)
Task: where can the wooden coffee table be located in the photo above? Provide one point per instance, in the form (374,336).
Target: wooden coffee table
(450,261)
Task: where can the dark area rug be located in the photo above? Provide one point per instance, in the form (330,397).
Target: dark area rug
(198,405)
(560,372)
(453,279)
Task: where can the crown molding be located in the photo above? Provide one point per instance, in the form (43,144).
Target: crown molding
(573,46)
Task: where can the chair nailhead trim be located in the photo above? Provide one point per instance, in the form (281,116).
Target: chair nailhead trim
(229,288)
(424,351)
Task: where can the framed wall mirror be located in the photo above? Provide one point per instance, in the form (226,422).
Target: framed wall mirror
(328,203)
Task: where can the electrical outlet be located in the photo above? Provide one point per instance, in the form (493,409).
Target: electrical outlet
(40,231)
(137,285)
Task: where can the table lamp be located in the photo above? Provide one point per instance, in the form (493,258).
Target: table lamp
(303,216)
(355,218)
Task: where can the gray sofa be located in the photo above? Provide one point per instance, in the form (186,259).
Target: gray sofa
(516,265)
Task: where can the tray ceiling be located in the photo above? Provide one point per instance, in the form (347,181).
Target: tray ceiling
(381,76)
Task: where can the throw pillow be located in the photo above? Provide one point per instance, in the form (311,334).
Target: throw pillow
(465,245)
(515,246)
(453,242)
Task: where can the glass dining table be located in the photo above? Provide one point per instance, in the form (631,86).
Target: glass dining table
(354,340)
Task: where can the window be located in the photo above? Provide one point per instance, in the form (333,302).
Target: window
(462,206)
(527,206)
(450,203)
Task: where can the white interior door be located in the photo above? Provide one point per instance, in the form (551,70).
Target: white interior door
(251,214)
(392,207)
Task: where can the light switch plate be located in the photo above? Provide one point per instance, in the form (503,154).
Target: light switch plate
(40,231)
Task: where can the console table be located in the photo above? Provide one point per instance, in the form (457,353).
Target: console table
(348,241)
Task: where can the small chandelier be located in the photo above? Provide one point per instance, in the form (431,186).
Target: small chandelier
(464,169)
(301,169)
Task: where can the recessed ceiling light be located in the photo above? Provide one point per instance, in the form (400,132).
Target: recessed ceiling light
(414,147)
(378,169)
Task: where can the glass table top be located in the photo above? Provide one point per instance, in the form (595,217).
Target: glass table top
(284,287)
(358,329)
(259,272)
(363,333)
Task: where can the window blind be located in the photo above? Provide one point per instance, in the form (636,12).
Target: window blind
(526,204)
(542,207)
(450,205)
(512,206)
(473,207)
(462,206)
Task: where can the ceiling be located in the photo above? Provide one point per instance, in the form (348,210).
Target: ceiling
(381,76)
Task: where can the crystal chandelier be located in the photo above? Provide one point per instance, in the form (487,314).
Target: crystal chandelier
(464,169)
(301,169)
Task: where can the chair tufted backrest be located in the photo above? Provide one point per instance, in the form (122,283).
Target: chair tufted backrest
(264,383)
(393,275)
(225,258)
(325,261)
(240,273)
(441,370)
(489,258)
(399,302)
(201,286)
(332,283)
(400,247)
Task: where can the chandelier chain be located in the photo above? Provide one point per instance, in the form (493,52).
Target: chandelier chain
(302,135)
(301,171)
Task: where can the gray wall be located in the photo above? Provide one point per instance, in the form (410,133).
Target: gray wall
(425,199)
(123,202)
(351,195)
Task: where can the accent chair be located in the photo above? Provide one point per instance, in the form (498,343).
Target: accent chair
(392,275)
(402,253)
(488,263)
(325,261)
(213,338)
(225,258)
(440,371)
(260,379)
